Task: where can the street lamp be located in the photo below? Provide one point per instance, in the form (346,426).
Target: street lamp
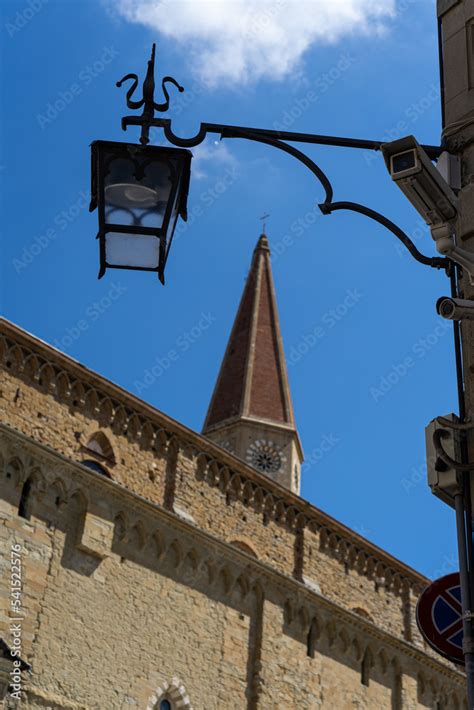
(139,192)
(138,188)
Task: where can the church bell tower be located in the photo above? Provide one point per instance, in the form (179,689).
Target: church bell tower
(251,414)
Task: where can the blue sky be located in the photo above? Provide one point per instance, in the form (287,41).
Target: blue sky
(370,363)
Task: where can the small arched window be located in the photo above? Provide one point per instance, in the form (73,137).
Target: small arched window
(170,696)
(24,504)
(96,466)
(99,445)
(365,668)
(311,639)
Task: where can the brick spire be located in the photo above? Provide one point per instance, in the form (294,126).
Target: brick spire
(253,381)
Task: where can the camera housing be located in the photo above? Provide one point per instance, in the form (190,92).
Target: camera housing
(443,235)
(427,190)
(455,308)
(445,482)
(424,186)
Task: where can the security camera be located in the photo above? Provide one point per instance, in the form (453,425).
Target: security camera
(428,191)
(455,308)
(417,177)
(443,235)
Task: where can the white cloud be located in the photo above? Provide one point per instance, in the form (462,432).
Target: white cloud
(213,154)
(242,41)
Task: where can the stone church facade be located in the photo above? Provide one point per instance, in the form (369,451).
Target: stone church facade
(162,569)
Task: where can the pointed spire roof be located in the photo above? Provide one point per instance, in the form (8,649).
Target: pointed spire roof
(253,380)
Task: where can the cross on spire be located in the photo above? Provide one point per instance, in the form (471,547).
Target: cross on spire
(264,226)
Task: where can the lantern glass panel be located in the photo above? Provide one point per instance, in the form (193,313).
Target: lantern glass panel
(140,192)
(136,192)
(175,207)
(133,250)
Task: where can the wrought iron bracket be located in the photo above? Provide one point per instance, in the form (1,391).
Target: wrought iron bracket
(277,139)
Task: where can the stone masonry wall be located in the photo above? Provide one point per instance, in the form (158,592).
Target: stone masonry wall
(54,401)
(59,404)
(125,602)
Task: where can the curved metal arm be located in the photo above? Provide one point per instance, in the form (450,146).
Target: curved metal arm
(290,136)
(274,138)
(441,453)
(434,261)
(315,169)
(204,129)
(459,426)
(328,205)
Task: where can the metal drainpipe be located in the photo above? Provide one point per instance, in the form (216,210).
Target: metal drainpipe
(463,505)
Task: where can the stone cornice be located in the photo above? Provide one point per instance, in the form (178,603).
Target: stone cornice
(261,570)
(68,380)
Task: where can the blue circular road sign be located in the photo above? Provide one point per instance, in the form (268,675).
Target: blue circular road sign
(439,617)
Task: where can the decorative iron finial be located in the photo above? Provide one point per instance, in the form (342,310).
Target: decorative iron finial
(148,98)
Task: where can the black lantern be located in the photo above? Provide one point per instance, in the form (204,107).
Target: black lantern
(140,192)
